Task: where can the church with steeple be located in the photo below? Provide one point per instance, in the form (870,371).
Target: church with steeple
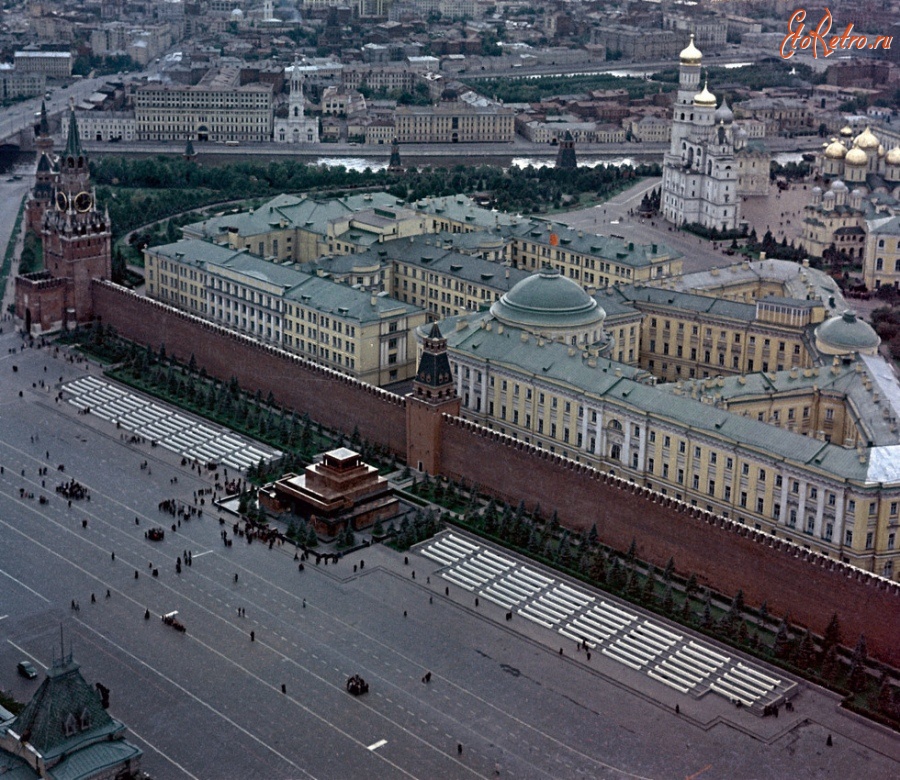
(76,240)
(700,170)
(296,128)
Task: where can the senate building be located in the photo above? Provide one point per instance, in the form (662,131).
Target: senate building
(779,414)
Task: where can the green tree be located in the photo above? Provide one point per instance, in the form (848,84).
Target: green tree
(668,603)
(804,653)
(856,677)
(781,643)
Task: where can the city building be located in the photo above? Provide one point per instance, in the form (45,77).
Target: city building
(591,260)
(53,64)
(882,253)
(687,335)
(17,84)
(300,228)
(341,101)
(780,115)
(365,335)
(221,107)
(700,170)
(65,731)
(100,125)
(296,128)
(453,121)
(77,245)
(807,453)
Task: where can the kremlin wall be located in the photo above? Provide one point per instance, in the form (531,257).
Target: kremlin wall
(724,555)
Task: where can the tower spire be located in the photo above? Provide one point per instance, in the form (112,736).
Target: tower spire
(45,125)
(73,142)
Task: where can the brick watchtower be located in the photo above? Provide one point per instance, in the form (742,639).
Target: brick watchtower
(433,395)
(44,177)
(77,245)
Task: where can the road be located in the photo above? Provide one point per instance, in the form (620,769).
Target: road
(613,218)
(209,703)
(21,115)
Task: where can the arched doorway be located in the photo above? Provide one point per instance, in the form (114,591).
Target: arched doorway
(454,138)
(28,320)
(203,133)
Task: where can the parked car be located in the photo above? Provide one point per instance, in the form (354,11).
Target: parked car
(26,669)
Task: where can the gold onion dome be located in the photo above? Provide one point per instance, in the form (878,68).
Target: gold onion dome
(866,140)
(690,55)
(705,98)
(856,156)
(835,150)
(893,156)
(846,131)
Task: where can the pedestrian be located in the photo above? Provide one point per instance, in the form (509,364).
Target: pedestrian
(252,636)
(459,748)
(677,710)
(108,594)
(93,599)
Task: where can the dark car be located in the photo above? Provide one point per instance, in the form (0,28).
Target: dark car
(26,669)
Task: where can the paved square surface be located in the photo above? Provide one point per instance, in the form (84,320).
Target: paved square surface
(209,703)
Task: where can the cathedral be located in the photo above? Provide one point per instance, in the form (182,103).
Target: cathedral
(76,240)
(702,181)
(296,128)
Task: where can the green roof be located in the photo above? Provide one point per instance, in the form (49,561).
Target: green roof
(548,299)
(297,211)
(847,333)
(504,345)
(73,142)
(553,362)
(314,292)
(684,301)
(64,693)
(610,248)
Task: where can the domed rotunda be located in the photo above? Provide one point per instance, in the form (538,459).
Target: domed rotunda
(845,335)
(555,307)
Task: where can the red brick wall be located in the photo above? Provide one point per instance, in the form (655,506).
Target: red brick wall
(724,555)
(330,398)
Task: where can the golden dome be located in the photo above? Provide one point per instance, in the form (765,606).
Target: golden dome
(705,98)
(690,55)
(866,140)
(846,131)
(835,150)
(893,156)
(856,156)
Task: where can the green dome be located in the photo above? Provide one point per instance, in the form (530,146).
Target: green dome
(844,334)
(548,299)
